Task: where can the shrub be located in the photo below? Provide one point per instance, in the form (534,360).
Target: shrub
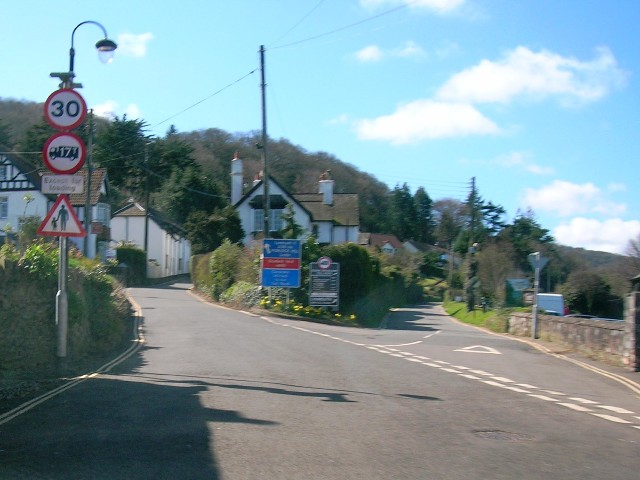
(136,260)
(223,267)
(242,294)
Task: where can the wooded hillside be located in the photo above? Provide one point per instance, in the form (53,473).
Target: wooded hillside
(188,178)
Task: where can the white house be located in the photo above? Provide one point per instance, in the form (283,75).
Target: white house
(21,197)
(168,250)
(330,217)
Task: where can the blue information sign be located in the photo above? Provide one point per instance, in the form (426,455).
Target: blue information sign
(272,277)
(281,260)
(281,248)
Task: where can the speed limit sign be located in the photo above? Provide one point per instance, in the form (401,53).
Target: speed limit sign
(65,109)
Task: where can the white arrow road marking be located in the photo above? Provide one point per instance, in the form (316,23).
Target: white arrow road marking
(479,349)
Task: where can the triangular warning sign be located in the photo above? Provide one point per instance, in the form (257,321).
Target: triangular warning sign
(62,221)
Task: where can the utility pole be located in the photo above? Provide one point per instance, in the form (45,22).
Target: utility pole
(146,201)
(88,202)
(263,146)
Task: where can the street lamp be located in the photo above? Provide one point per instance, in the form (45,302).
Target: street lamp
(105,47)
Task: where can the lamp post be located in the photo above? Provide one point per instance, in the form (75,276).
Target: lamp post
(105,48)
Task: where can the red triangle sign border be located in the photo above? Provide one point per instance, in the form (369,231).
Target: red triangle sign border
(77,230)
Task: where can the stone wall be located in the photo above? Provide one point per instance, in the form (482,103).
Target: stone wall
(599,339)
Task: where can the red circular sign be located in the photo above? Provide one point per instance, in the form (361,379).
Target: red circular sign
(324,262)
(65,109)
(64,153)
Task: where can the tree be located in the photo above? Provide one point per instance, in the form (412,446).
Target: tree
(425,225)
(527,236)
(633,252)
(495,266)
(121,150)
(207,232)
(492,218)
(290,228)
(5,134)
(403,214)
(187,191)
(587,292)
(166,155)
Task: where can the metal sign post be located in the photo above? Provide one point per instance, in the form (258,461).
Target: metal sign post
(63,153)
(537,262)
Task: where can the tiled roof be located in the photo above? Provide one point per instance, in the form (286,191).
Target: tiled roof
(343,211)
(98,177)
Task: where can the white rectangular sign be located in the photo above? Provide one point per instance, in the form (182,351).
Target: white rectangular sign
(60,184)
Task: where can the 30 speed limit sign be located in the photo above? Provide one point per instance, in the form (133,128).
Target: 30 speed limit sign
(65,109)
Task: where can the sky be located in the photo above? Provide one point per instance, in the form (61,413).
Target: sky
(536,100)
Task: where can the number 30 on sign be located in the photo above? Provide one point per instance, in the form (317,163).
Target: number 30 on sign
(65,109)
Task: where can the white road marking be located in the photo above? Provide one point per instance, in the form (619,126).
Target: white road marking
(553,392)
(615,409)
(573,406)
(583,400)
(502,379)
(542,397)
(526,385)
(479,349)
(494,380)
(611,418)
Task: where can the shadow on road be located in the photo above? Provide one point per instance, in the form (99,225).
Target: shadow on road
(420,318)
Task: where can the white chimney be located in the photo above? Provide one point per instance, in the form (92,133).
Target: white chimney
(236,179)
(325,186)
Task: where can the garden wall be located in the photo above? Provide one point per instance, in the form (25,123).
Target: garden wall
(613,342)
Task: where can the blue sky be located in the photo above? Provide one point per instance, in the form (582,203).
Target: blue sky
(535,99)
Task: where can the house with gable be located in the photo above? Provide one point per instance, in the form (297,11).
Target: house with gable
(332,218)
(384,243)
(168,249)
(21,180)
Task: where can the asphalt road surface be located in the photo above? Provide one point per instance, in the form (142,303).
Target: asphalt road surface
(212,393)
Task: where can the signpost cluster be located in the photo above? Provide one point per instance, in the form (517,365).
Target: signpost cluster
(64,153)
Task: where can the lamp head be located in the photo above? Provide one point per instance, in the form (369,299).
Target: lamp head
(106,48)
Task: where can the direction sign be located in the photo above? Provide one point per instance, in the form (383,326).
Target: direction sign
(62,184)
(64,153)
(281,259)
(65,109)
(61,221)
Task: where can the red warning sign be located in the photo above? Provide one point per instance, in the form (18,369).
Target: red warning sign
(62,221)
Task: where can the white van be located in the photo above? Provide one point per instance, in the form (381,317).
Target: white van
(551,303)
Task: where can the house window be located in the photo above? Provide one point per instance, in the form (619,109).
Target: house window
(4,207)
(275,217)
(102,213)
(3,172)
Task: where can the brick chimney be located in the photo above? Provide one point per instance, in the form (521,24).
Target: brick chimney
(236,179)
(325,186)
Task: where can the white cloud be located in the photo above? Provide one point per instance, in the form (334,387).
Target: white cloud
(339,120)
(523,160)
(426,119)
(409,49)
(111,109)
(374,53)
(524,73)
(133,45)
(440,6)
(567,199)
(611,235)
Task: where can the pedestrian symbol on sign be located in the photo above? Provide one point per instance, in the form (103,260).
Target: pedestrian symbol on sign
(62,221)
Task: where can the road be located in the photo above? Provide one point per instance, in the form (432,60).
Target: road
(213,393)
